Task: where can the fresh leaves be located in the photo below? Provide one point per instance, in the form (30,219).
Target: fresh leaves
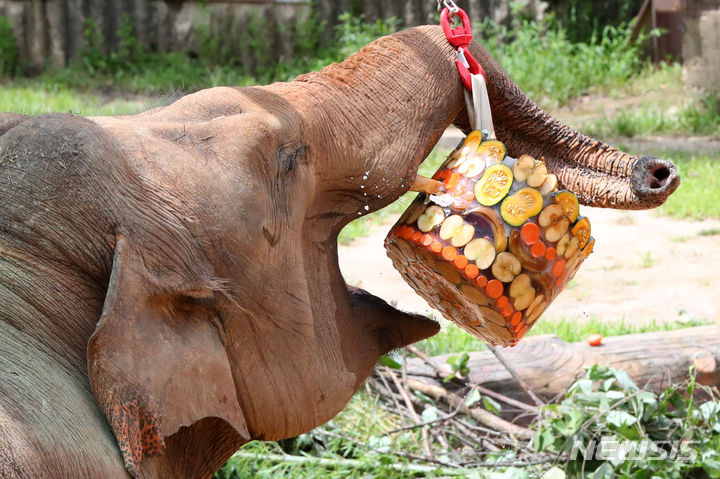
(606,426)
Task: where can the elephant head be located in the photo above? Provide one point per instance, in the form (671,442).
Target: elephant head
(209,228)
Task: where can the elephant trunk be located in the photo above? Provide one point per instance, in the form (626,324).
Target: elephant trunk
(597,173)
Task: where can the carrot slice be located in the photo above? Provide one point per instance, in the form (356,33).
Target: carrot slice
(538,249)
(523,330)
(415,238)
(407,234)
(426,240)
(457,191)
(481,281)
(449,253)
(530,233)
(502,301)
(452,181)
(507,310)
(550,253)
(461,262)
(436,247)
(471,271)
(516,317)
(558,267)
(494,288)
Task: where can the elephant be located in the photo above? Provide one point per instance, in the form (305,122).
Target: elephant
(169,281)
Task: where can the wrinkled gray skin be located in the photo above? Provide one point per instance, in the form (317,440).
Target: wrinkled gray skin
(169,285)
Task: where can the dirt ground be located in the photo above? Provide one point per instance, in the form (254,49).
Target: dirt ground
(645,267)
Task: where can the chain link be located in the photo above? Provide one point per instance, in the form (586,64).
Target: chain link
(449,4)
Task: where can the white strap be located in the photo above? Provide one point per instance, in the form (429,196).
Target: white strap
(478,105)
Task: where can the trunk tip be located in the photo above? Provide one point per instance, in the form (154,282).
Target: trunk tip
(654,179)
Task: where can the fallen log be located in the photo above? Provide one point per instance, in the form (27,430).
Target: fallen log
(549,365)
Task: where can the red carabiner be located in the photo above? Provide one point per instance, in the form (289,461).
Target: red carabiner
(460,37)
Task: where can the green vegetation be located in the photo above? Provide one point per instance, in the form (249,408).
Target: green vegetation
(698,116)
(454,339)
(8,50)
(698,196)
(604,405)
(552,69)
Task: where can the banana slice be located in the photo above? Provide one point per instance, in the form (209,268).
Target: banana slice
(549,185)
(562,245)
(554,222)
(522,291)
(523,167)
(472,167)
(538,176)
(481,251)
(524,300)
(463,235)
(520,285)
(535,309)
(572,247)
(506,267)
(432,217)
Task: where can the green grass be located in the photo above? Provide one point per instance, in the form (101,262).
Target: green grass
(697,116)
(366,423)
(24,97)
(452,339)
(552,69)
(698,196)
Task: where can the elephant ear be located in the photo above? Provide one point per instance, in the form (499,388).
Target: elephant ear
(157,361)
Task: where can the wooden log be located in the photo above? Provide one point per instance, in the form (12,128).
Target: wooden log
(549,365)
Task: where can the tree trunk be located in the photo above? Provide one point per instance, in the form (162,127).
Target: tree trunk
(549,365)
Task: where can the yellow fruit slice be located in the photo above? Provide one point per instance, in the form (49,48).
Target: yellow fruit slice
(572,247)
(493,185)
(562,244)
(473,140)
(463,235)
(523,167)
(432,217)
(554,223)
(538,176)
(506,267)
(450,226)
(473,166)
(588,249)
(524,300)
(520,285)
(481,251)
(520,206)
(581,230)
(549,185)
(493,150)
(569,203)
